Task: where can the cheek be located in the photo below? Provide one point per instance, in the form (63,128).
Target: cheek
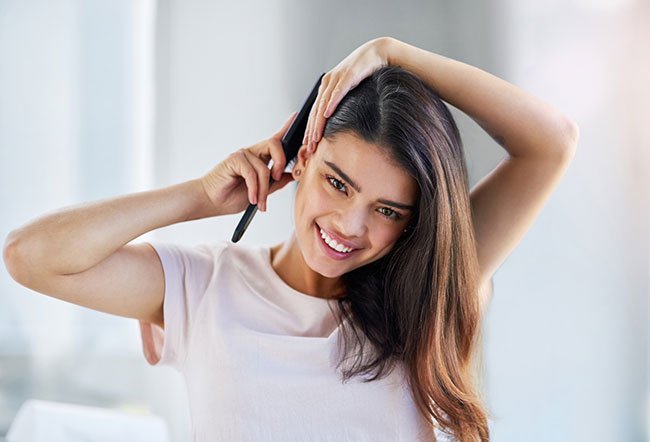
(386,236)
(383,239)
(316,199)
(311,201)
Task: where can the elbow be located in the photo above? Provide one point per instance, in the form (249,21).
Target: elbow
(565,141)
(570,136)
(10,257)
(16,261)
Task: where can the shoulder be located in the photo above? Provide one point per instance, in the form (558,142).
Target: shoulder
(210,257)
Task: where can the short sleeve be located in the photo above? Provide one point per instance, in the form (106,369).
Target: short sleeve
(188,271)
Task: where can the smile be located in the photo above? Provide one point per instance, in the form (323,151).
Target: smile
(329,251)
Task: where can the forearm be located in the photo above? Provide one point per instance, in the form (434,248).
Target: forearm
(73,239)
(521,123)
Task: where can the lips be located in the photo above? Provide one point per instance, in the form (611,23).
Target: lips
(338,239)
(333,254)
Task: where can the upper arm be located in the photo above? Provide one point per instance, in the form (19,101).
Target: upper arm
(506,202)
(128,283)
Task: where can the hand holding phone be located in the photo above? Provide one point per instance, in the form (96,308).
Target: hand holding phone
(243,177)
(291,142)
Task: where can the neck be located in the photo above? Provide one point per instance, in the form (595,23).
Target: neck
(288,262)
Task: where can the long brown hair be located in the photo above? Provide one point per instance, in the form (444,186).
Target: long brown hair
(418,305)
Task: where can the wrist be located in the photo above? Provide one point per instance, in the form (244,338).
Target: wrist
(388,49)
(203,207)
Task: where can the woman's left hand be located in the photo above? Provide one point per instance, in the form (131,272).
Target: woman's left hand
(361,63)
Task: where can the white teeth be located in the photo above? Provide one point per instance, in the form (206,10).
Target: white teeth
(333,244)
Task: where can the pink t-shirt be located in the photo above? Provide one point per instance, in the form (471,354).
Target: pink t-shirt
(258,357)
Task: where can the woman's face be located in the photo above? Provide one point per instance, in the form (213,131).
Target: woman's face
(351,190)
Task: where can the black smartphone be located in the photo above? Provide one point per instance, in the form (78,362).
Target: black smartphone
(291,143)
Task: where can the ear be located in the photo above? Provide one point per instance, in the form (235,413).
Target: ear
(303,158)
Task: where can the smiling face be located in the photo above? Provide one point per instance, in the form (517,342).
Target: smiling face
(353,191)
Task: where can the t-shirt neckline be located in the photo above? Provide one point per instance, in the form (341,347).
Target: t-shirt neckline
(266,257)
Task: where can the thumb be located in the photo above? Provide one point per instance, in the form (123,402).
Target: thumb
(285,127)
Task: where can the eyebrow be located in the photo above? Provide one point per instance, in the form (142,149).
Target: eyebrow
(356,187)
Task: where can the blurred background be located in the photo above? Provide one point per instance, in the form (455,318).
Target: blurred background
(106,97)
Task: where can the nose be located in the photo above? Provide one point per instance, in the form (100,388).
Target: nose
(353,222)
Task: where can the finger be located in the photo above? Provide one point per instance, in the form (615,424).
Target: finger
(314,107)
(263,174)
(247,171)
(317,121)
(268,150)
(278,157)
(317,115)
(323,98)
(309,121)
(334,99)
(333,89)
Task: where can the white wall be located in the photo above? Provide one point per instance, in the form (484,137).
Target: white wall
(73,110)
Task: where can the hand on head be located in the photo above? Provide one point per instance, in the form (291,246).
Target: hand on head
(359,64)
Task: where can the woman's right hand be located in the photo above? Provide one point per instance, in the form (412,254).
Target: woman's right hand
(243,177)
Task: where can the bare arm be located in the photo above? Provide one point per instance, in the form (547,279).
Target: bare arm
(521,123)
(73,239)
(539,139)
(80,254)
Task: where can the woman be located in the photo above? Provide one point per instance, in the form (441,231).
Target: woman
(389,264)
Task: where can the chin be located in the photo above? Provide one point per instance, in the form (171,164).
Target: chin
(324,271)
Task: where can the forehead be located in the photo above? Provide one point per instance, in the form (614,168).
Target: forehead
(371,167)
